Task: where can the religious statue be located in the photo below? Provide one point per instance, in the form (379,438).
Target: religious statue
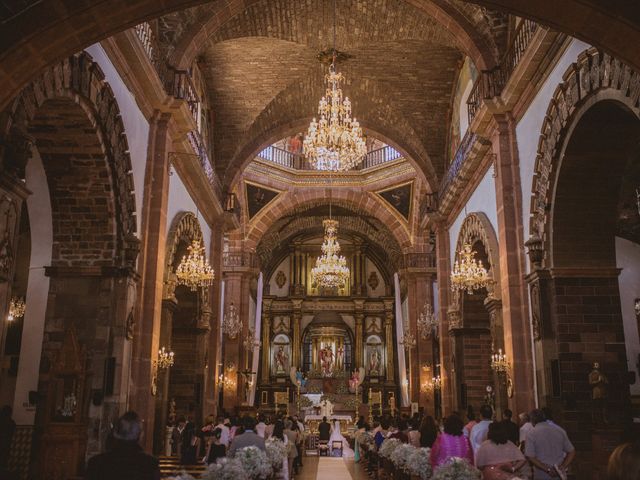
(340,358)
(598,382)
(354,381)
(326,361)
(326,408)
(374,362)
(281,359)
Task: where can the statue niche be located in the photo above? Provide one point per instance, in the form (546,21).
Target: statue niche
(327,346)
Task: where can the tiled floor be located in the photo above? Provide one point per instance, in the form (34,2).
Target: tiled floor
(328,468)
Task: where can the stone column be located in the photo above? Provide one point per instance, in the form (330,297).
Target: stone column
(169,306)
(154,231)
(390,346)
(515,310)
(443,272)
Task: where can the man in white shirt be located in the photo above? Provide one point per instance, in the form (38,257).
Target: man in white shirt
(525,428)
(224,431)
(479,431)
(260,426)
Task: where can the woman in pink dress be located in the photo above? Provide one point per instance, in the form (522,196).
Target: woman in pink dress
(451,443)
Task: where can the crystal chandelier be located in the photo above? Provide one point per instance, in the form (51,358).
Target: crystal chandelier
(334,142)
(331,269)
(408,339)
(427,321)
(165,358)
(250,343)
(231,324)
(499,362)
(17,308)
(468,273)
(194,271)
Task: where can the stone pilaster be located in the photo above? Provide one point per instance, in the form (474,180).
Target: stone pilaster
(517,336)
(154,228)
(388,336)
(443,272)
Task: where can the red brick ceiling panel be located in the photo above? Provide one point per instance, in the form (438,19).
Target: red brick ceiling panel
(447,22)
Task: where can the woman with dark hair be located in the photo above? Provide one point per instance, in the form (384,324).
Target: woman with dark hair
(624,462)
(216,449)
(451,443)
(278,433)
(428,432)
(497,457)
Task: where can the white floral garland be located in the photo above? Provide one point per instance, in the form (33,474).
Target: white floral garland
(388,446)
(456,468)
(400,455)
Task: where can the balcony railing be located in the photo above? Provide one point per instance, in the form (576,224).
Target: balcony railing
(490,83)
(458,160)
(419,260)
(241,259)
(288,159)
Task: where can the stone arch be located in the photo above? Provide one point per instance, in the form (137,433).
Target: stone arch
(477,227)
(596,76)
(61,110)
(364,202)
(184,229)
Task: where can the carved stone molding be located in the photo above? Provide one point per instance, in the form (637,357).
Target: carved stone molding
(593,73)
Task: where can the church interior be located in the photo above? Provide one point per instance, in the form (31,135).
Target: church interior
(334,208)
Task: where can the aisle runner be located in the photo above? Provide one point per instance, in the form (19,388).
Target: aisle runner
(332,468)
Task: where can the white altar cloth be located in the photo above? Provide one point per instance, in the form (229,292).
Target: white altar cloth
(315,417)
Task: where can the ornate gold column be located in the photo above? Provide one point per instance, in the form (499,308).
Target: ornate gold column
(266,338)
(297,318)
(390,346)
(359,317)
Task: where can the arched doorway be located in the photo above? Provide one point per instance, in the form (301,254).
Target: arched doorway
(585,219)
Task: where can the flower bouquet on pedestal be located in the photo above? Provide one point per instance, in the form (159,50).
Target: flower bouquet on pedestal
(457,469)
(276,453)
(418,464)
(254,462)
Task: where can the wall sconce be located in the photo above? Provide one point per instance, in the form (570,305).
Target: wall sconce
(500,362)
(426,367)
(17,307)
(165,358)
(436,382)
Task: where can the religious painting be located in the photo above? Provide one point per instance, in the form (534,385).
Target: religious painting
(373,280)
(281,279)
(374,363)
(281,355)
(400,198)
(258,197)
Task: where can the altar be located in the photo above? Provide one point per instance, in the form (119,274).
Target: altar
(317,418)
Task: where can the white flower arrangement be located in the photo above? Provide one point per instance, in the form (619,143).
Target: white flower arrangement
(401,454)
(276,452)
(225,469)
(184,476)
(364,438)
(254,462)
(388,446)
(456,469)
(419,463)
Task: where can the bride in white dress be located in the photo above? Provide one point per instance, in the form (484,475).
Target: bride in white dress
(347,452)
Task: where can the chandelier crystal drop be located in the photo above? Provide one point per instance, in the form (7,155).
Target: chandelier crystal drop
(231,324)
(331,269)
(194,271)
(17,308)
(468,273)
(334,142)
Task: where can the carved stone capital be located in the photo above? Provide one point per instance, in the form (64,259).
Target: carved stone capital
(535,250)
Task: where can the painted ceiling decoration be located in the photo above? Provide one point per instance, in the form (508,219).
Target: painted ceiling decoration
(400,198)
(258,197)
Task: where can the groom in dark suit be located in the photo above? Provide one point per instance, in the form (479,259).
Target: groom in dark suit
(324,430)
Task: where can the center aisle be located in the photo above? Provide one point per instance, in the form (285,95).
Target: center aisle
(332,468)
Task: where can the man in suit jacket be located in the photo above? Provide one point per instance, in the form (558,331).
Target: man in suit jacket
(324,430)
(249,438)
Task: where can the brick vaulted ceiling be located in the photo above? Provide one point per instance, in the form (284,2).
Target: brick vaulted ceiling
(264,80)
